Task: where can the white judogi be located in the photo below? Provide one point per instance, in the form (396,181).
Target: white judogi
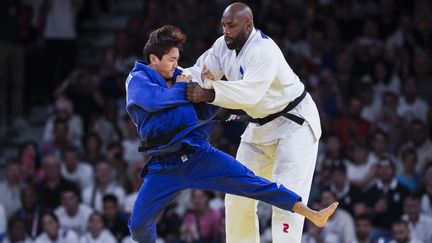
(262,83)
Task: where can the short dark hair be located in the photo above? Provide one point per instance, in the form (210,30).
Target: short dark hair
(162,40)
(110,198)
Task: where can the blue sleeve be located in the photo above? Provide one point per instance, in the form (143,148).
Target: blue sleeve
(206,111)
(153,97)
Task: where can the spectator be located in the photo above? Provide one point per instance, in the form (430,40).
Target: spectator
(371,103)
(17,232)
(97,233)
(389,121)
(386,196)
(63,109)
(351,125)
(411,106)
(76,171)
(361,168)
(379,145)
(383,79)
(53,233)
(363,226)
(201,223)
(54,184)
(30,162)
(419,140)
(418,223)
(59,142)
(346,194)
(102,185)
(72,214)
(408,176)
(10,188)
(31,211)
(401,233)
(92,148)
(115,220)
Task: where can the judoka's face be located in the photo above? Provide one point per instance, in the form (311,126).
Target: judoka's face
(167,64)
(236,31)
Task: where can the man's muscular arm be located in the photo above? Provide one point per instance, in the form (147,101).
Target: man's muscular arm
(196,94)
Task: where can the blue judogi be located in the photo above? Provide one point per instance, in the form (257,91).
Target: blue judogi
(187,160)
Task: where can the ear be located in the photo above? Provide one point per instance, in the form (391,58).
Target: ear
(249,25)
(154,59)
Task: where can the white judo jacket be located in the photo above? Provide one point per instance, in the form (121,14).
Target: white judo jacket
(260,82)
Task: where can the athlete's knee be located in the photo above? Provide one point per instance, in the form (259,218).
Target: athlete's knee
(142,232)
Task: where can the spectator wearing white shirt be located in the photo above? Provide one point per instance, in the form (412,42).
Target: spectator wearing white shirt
(411,106)
(419,224)
(103,184)
(97,233)
(76,171)
(52,233)
(72,214)
(371,103)
(63,109)
(361,168)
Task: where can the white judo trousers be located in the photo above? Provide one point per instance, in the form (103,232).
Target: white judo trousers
(289,160)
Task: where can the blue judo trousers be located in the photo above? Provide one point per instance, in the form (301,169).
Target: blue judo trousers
(187,160)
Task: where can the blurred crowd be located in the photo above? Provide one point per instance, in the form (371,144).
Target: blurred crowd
(367,64)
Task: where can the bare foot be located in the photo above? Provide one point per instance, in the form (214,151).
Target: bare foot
(321,217)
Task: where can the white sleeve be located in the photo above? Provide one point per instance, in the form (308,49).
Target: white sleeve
(260,70)
(209,58)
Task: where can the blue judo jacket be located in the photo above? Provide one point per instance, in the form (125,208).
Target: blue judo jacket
(160,111)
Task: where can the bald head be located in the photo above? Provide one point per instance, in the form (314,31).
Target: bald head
(237,24)
(238,10)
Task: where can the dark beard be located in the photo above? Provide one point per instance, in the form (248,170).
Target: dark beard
(237,43)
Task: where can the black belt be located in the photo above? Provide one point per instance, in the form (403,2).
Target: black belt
(159,140)
(271,117)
